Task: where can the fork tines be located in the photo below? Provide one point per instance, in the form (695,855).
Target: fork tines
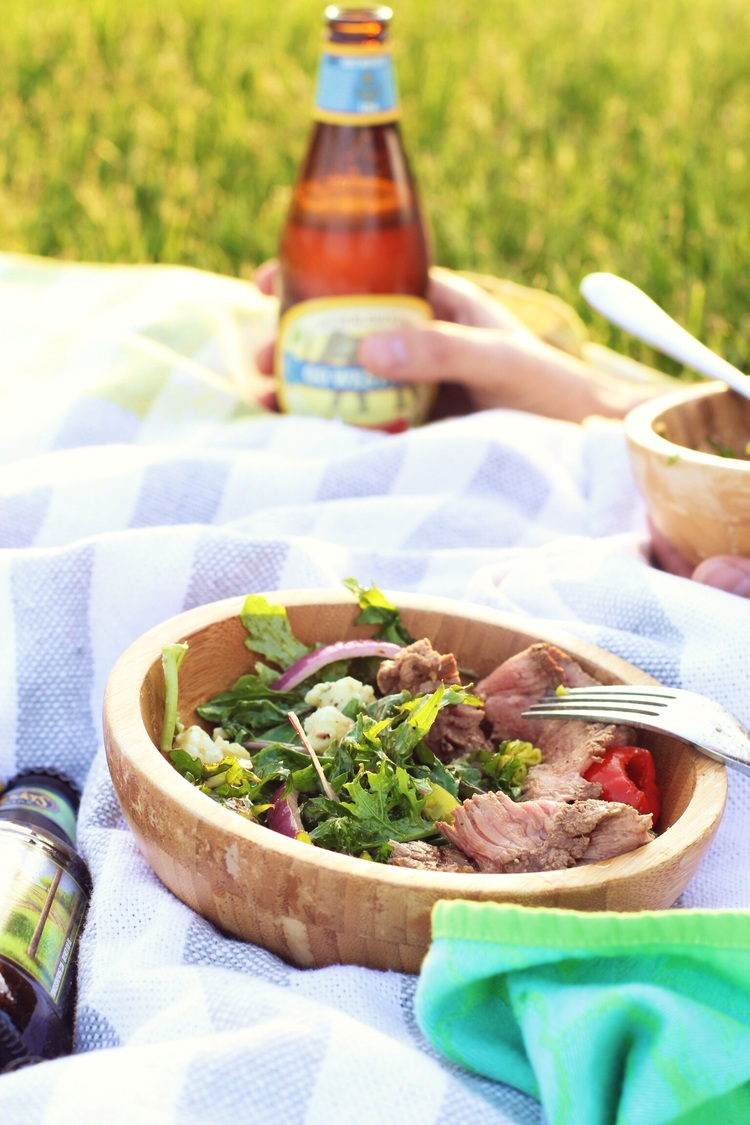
(615,699)
(682,714)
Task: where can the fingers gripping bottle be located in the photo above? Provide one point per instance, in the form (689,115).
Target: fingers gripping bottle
(354,254)
(44,893)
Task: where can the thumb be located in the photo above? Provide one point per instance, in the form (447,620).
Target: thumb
(499,367)
(725,572)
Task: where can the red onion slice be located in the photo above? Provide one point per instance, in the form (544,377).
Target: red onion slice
(342,650)
(284,817)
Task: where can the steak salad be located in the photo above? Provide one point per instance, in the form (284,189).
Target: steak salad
(382,748)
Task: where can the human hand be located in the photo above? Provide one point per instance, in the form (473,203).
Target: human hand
(729,573)
(482,356)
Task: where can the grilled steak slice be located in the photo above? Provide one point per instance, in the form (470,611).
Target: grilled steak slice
(568,746)
(504,837)
(567,752)
(457,730)
(419,668)
(429,857)
(524,679)
(618,833)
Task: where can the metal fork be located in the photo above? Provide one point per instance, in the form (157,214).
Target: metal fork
(685,714)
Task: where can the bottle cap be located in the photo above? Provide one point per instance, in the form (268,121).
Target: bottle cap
(358,21)
(49,777)
(358,13)
(45,798)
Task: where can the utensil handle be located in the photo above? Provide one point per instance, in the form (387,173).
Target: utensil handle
(630,308)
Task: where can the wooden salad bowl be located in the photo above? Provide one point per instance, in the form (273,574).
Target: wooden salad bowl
(696,492)
(314,907)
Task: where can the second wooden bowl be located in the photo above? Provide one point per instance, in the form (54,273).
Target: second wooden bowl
(314,907)
(688,452)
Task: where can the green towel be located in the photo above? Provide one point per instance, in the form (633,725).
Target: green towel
(606,1019)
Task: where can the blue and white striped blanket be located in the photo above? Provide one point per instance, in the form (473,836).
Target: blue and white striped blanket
(138,479)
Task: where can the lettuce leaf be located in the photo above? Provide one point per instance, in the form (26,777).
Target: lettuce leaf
(377,610)
(269,632)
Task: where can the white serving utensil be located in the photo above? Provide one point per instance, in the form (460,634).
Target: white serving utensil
(630,308)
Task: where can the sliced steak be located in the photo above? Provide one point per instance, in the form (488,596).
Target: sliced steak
(568,747)
(429,857)
(457,730)
(418,669)
(567,752)
(524,679)
(620,832)
(504,837)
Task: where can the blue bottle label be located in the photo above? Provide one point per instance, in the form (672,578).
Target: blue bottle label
(356,86)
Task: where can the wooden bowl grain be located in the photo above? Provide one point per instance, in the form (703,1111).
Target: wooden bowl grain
(316,908)
(698,499)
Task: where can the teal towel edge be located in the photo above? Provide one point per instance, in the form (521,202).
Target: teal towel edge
(574,930)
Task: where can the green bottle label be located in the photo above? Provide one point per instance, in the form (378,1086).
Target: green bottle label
(42,907)
(35,798)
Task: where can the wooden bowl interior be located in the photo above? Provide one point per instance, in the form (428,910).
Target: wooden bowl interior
(314,907)
(717,423)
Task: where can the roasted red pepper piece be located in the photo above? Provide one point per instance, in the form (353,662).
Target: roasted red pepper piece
(627,774)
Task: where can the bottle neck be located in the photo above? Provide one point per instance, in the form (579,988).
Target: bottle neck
(41,802)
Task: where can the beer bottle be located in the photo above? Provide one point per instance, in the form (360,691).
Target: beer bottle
(354,252)
(44,892)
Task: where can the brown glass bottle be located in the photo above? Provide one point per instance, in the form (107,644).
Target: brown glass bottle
(354,254)
(44,892)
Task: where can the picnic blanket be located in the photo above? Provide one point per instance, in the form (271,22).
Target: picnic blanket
(138,477)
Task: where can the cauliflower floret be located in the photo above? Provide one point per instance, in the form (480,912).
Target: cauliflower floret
(326,725)
(338,693)
(233,749)
(199,744)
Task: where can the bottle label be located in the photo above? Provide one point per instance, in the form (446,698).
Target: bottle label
(41,910)
(318,371)
(34,798)
(356,87)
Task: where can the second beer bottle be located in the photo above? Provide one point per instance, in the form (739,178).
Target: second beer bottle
(354,254)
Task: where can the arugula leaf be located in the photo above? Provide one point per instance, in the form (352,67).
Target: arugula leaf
(250,710)
(229,778)
(504,769)
(269,631)
(190,768)
(430,769)
(377,610)
(383,806)
(278,760)
(401,741)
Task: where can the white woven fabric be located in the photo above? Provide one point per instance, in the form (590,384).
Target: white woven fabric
(137,480)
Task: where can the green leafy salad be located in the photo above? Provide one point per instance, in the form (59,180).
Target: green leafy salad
(305,744)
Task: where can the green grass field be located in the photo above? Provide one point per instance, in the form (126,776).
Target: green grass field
(549,139)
